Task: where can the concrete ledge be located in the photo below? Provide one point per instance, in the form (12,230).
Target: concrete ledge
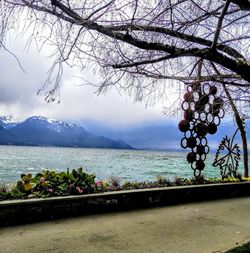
(15,212)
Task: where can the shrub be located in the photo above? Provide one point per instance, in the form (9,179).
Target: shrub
(4,188)
(214,180)
(239,176)
(178,181)
(199,180)
(246,179)
(161,179)
(11,193)
(115,182)
(52,183)
(230,179)
(128,185)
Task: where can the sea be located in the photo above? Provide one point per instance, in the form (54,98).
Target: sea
(128,165)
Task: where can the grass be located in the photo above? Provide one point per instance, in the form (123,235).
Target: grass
(245,248)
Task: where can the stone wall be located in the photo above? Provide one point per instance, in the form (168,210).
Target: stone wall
(32,210)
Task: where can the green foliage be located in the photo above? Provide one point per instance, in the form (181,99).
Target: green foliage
(26,184)
(130,185)
(213,180)
(50,183)
(136,185)
(11,193)
(230,179)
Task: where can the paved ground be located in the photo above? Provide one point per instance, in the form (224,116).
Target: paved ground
(201,227)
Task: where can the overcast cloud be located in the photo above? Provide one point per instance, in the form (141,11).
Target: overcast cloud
(18,93)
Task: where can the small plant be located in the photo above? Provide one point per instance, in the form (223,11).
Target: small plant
(4,188)
(230,179)
(239,176)
(199,180)
(101,186)
(115,182)
(7,192)
(246,179)
(50,183)
(214,180)
(161,179)
(128,185)
(178,181)
(26,184)
(82,182)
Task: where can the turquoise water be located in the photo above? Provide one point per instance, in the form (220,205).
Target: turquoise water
(127,164)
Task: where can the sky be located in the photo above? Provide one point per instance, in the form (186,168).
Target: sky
(18,92)
(78,104)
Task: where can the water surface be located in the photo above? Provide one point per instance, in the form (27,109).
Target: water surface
(132,165)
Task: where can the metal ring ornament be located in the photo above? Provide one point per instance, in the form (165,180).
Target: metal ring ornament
(182,145)
(202,108)
(216,120)
(197,175)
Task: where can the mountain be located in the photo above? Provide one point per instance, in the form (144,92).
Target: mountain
(7,122)
(157,135)
(5,136)
(40,131)
(160,135)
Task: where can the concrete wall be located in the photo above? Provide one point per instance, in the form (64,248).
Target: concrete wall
(24,211)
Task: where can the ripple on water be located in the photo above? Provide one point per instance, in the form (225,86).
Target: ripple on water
(127,164)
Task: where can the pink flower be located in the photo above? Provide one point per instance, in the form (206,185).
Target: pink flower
(50,190)
(99,184)
(79,190)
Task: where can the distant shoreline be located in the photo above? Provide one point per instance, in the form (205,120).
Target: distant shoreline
(53,146)
(213,151)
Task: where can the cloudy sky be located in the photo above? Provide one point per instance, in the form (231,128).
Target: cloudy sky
(78,103)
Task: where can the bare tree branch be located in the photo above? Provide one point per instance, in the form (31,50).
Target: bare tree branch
(134,44)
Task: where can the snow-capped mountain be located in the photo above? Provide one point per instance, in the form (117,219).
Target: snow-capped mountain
(8,122)
(52,124)
(40,131)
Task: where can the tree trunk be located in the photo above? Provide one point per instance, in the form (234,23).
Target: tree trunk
(241,127)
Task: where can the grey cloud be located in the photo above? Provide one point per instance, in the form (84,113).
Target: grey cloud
(18,94)
(15,85)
